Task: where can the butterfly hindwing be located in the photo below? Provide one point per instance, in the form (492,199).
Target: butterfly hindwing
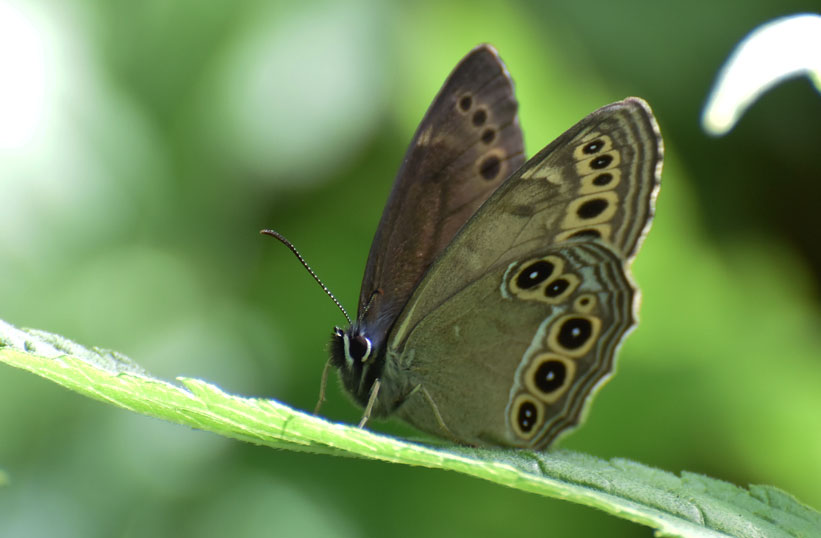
(518,370)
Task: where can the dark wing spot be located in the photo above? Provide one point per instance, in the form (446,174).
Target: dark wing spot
(550,376)
(592,208)
(479,117)
(602,179)
(593,147)
(488,136)
(534,274)
(528,416)
(465,102)
(592,234)
(584,301)
(600,162)
(574,333)
(490,167)
(556,288)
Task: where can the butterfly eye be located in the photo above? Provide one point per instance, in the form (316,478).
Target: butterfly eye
(360,348)
(357,348)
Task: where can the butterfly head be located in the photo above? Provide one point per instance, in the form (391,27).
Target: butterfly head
(354,355)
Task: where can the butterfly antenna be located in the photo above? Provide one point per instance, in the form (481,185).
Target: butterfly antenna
(275,234)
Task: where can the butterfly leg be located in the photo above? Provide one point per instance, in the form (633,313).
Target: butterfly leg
(371,401)
(322,385)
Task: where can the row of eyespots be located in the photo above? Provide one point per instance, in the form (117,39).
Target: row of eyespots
(542,280)
(479,116)
(489,166)
(551,373)
(594,209)
(600,144)
(547,379)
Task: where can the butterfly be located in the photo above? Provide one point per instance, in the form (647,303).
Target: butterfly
(497,291)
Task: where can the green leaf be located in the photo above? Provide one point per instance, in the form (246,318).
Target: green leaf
(690,505)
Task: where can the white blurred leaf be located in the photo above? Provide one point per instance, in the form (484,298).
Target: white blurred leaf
(783,48)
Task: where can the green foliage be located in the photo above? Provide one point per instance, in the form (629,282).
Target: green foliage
(690,505)
(143,145)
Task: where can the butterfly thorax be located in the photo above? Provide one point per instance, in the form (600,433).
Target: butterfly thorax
(359,362)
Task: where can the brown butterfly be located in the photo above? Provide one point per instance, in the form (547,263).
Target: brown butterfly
(497,291)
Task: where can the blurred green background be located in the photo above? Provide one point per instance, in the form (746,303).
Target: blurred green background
(144,144)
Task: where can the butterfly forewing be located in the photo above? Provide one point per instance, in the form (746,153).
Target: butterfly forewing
(518,373)
(468,142)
